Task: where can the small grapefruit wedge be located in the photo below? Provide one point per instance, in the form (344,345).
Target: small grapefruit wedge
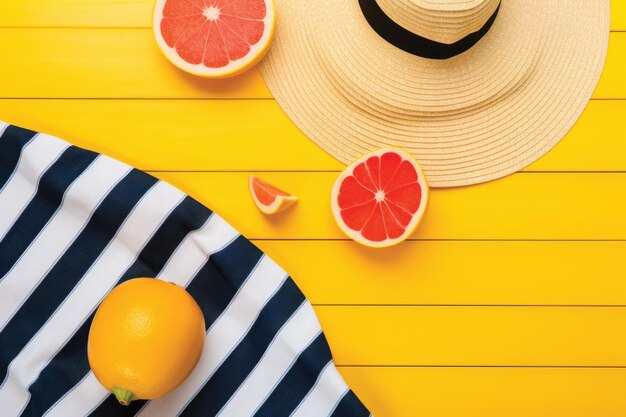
(269,199)
(214,38)
(379,199)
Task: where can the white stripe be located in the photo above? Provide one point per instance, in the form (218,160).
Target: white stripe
(36,157)
(223,336)
(287,345)
(195,250)
(73,404)
(79,202)
(3,127)
(323,398)
(119,254)
(183,265)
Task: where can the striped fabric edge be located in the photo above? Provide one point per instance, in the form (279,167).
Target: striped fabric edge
(74,224)
(38,156)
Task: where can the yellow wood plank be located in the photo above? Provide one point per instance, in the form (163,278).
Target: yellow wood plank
(489,392)
(597,142)
(76,13)
(205,135)
(521,206)
(618,15)
(456,272)
(115,13)
(105,63)
(611,83)
(475,336)
(217,135)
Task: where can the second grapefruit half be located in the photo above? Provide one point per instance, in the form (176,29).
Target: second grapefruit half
(380,198)
(214,38)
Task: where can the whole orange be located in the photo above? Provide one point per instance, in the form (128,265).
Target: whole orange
(145,339)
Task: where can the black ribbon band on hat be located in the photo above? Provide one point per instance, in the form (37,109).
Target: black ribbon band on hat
(415,44)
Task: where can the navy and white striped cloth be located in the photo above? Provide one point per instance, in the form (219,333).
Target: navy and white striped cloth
(74,224)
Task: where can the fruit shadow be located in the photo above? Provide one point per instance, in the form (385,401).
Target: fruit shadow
(281,218)
(224,87)
(389,255)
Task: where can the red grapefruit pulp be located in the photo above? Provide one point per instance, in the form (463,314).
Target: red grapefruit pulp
(214,38)
(379,199)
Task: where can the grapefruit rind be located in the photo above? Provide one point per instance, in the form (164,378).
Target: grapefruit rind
(280,203)
(236,67)
(417,216)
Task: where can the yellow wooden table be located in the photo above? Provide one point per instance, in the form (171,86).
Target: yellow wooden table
(510,300)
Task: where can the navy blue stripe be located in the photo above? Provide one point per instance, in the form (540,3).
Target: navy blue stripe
(298,381)
(350,406)
(222,276)
(72,265)
(45,203)
(236,261)
(232,373)
(70,365)
(12,142)
(213,287)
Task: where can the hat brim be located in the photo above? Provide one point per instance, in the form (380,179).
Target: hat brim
(472,118)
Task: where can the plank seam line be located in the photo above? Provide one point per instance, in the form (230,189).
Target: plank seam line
(314,239)
(142,27)
(245,171)
(142,98)
(333,171)
(571,172)
(401,305)
(488,366)
(193,98)
(95,27)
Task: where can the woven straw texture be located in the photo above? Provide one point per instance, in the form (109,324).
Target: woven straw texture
(472,118)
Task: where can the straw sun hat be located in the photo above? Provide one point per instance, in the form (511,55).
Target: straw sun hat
(475,89)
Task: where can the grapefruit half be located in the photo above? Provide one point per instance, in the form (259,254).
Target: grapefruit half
(269,199)
(214,38)
(380,198)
